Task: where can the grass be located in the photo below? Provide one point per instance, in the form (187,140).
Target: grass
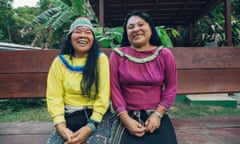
(35,114)
(181,109)
(35,110)
(22,110)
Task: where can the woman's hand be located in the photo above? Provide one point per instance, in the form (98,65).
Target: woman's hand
(152,123)
(134,127)
(80,136)
(65,132)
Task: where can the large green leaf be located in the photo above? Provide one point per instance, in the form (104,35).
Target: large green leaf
(67,2)
(62,19)
(105,43)
(78,7)
(44,17)
(165,39)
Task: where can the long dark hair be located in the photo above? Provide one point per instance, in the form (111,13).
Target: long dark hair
(154,40)
(90,72)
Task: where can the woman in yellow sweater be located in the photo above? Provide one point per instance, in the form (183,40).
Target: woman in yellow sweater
(78,86)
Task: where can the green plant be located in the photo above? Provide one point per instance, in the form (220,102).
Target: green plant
(1,34)
(51,23)
(235,31)
(211,28)
(208,30)
(112,37)
(165,33)
(19,104)
(109,37)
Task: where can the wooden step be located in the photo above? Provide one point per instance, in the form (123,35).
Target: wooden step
(212,100)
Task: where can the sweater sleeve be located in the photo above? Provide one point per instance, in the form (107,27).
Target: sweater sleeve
(101,103)
(170,80)
(118,101)
(55,92)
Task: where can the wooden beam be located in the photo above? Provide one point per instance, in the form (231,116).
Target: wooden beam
(190,34)
(228,26)
(155,8)
(180,10)
(101,12)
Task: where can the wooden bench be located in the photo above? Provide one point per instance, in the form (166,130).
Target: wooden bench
(23,74)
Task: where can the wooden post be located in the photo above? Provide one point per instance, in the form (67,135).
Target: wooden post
(228,26)
(101,12)
(190,43)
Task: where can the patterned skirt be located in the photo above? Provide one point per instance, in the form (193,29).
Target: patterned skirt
(100,136)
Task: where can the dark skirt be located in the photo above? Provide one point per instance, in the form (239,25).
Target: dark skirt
(165,134)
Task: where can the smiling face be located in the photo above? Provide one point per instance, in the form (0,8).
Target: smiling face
(82,40)
(138,31)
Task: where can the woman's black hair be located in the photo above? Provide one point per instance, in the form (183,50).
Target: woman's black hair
(90,72)
(154,40)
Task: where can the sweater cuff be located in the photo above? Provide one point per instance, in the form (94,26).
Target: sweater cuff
(96,116)
(164,105)
(120,110)
(58,119)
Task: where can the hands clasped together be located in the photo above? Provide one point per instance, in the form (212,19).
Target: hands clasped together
(138,129)
(78,137)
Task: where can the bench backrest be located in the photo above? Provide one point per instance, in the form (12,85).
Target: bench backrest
(23,74)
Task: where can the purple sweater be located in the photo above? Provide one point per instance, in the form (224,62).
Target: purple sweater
(142,86)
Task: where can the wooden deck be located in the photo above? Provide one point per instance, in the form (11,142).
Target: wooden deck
(203,130)
(208,130)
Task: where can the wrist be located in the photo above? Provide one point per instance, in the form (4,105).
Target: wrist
(123,116)
(158,114)
(92,126)
(60,125)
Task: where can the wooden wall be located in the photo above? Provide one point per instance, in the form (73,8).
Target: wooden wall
(23,73)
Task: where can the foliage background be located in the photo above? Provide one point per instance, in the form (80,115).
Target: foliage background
(47,24)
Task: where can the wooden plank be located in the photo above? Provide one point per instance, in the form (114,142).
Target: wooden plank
(208,130)
(209,136)
(198,58)
(30,85)
(23,85)
(107,51)
(25,132)
(26,60)
(23,139)
(198,130)
(187,58)
(207,122)
(26,128)
(208,81)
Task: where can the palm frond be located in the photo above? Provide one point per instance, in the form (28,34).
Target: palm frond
(61,4)
(43,17)
(67,2)
(62,19)
(51,20)
(78,7)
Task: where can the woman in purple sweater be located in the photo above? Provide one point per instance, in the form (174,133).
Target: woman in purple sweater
(143,84)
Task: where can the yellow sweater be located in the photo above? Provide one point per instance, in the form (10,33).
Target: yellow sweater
(63,87)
